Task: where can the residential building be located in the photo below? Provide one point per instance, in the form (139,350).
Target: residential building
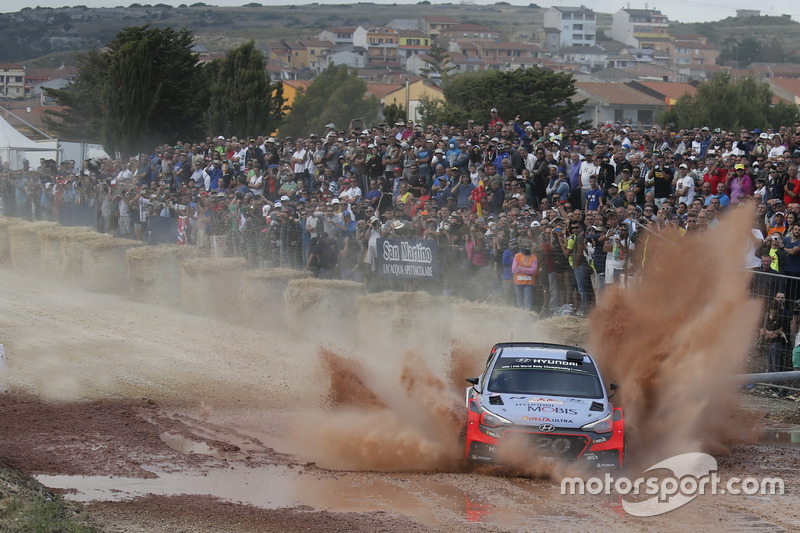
(642,28)
(666,91)
(786,89)
(688,52)
(12,80)
(611,102)
(433,25)
(588,57)
(404,24)
(578,25)
(412,42)
(411,94)
(502,51)
(291,88)
(472,32)
(382,47)
(354,36)
(299,55)
(345,54)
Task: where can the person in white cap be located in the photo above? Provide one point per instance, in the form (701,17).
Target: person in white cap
(684,185)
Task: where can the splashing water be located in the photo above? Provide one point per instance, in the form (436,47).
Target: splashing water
(673,339)
(669,340)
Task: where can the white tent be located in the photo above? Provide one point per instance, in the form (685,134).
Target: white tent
(14,147)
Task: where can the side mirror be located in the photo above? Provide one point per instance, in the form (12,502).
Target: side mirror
(474,381)
(613,387)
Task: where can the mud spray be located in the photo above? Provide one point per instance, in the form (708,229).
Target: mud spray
(669,340)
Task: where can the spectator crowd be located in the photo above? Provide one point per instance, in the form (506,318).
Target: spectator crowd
(535,215)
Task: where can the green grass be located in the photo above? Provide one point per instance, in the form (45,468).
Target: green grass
(28,507)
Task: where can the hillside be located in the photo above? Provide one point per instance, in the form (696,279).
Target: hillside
(52,35)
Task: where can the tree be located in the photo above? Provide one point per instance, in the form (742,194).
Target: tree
(394,113)
(336,95)
(145,89)
(438,65)
(242,100)
(532,93)
(728,103)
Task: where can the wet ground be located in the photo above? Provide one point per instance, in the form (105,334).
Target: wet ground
(154,426)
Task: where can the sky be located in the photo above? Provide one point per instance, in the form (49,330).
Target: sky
(678,10)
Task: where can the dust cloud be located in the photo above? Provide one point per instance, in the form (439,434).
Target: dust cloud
(675,336)
(670,340)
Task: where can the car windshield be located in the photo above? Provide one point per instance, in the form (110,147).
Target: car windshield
(575,384)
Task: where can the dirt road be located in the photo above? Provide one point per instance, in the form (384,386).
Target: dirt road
(160,421)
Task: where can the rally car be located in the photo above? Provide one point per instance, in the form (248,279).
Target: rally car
(548,398)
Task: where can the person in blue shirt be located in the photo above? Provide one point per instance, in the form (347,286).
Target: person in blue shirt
(463,192)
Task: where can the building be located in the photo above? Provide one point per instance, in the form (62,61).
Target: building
(12,80)
(412,42)
(690,52)
(642,28)
(299,55)
(345,54)
(612,102)
(433,25)
(502,51)
(411,94)
(291,88)
(743,13)
(472,32)
(668,92)
(578,25)
(587,57)
(382,47)
(786,89)
(354,36)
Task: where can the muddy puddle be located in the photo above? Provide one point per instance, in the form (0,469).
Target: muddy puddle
(519,505)
(781,437)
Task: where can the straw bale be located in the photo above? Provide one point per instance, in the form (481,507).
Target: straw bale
(262,296)
(483,325)
(104,266)
(71,267)
(54,241)
(210,286)
(154,272)
(567,330)
(415,317)
(323,306)
(26,244)
(5,244)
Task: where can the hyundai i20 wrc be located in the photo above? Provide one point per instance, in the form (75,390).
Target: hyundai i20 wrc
(548,398)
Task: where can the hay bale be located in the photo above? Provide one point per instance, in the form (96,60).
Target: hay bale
(484,325)
(415,320)
(262,296)
(324,308)
(154,272)
(104,266)
(72,251)
(26,244)
(5,244)
(567,330)
(209,287)
(53,243)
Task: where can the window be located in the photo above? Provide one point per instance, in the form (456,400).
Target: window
(644,116)
(577,26)
(619,114)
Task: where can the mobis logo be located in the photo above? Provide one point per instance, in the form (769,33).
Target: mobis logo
(550,409)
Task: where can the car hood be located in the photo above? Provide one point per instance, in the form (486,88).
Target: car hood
(533,410)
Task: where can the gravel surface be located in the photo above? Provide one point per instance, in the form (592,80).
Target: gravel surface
(150,425)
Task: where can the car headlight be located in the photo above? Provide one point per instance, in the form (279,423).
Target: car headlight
(492,420)
(604,425)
